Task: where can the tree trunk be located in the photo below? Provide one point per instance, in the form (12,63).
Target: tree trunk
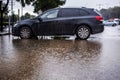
(1,17)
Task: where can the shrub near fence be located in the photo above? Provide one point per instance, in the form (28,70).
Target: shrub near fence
(7,23)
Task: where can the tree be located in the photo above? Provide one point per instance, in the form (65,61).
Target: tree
(23,2)
(46,4)
(111,12)
(105,13)
(6,10)
(27,16)
(2,10)
(42,4)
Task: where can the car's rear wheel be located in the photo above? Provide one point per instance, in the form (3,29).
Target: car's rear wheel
(83,32)
(25,33)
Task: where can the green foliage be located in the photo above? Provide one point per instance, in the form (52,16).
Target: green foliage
(23,2)
(42,4)
(14,18)
(46,4)
(111,12)
(27,16)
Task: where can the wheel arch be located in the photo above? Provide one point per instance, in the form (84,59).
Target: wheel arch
(26,26)
(77,26)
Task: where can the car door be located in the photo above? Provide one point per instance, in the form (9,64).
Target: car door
(48,22)
(67,20)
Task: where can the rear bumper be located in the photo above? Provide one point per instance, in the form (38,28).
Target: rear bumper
(98,29)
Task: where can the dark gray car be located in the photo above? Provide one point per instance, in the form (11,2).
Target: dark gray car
(61,21)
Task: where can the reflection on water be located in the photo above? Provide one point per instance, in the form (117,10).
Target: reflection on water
(95,59)
(47,59)
(62,49)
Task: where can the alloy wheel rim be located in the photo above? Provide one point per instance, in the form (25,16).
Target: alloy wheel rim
(25,33)
(83,32)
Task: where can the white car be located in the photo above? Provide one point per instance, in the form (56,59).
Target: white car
(110,23)
(118,21)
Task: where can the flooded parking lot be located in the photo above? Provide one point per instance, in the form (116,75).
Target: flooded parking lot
(97,58)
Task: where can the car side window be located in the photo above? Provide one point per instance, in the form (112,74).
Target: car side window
(72,12)
(50,14)
(83,12)
(69,13)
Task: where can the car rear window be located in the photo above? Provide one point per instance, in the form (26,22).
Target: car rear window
(92,11)
(83,12)
(73,12)
(97,12)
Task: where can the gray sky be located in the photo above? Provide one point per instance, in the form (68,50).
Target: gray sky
(97,4)
(93,3)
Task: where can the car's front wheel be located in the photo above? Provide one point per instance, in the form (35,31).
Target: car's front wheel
(83,32)
(25,33)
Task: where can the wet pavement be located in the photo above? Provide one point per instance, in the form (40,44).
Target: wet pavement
(97,58)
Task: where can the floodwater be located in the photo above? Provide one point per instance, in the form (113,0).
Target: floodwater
(97,58)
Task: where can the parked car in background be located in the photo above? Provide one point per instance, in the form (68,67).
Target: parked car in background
(118,21)
(110,23)
(61,21)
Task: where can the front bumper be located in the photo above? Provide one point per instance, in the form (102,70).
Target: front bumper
(15,31)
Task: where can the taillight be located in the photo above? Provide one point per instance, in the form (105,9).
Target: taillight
(99,18)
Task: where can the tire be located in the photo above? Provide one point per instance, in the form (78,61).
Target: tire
(25,33)
(83,32)
(114,25)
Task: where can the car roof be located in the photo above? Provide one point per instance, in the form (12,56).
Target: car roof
(74,8)
(84,8)
(70,8)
